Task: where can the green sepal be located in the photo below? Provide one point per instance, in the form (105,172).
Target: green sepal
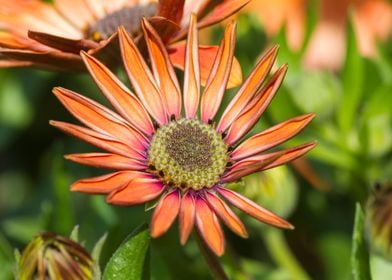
(360,254)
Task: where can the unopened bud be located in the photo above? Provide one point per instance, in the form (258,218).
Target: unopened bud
(51,256)
(379,220)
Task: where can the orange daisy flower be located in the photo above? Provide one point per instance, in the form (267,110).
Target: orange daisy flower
(163,149)
(51,35)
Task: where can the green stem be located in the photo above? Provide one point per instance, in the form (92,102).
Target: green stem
(282,255)
(210,258)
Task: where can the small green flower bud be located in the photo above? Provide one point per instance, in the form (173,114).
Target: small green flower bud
(379,220)
(274,189)
(50,256)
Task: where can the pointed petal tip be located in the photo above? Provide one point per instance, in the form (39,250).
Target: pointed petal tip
(290,227)
(311,115)
(69,156)
(83,54)
(122,33)
(154,233)
(183,240)
(219,252)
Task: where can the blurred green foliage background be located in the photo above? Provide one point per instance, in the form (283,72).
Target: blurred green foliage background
(353,128)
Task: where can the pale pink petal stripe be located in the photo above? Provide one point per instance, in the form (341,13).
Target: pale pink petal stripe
(252,209)
(271,137)
(165,213)
(219,76)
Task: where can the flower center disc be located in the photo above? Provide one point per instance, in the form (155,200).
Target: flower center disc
(129,17)
(188,154)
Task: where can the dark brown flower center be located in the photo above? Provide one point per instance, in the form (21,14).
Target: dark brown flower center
(129,17)
(188,154)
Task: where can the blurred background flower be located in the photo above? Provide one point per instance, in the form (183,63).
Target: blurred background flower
(51,35)
(325,48)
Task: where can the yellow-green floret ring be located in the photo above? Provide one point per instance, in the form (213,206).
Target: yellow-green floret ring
(188,154)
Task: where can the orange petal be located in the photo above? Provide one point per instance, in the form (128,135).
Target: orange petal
(171,9)
(209,227)
(222,11)
(217,80)
(108,161)
(100,118)
(226,214)
(217,14)
(105,183)
(252,209)
(196,7)
(141,78)
(248,89)
(165,213)
(38,15)
(13,63)
(164,27)
(192,71)
(61,43)
(8,40)
(163,70)
(271,137)
(248,166)
(252,112)
(99,140)
(265,161)
(291,154)
(54,60)
(138,190)
(75,11)
(125,102)
(207,56)
(187,217)
(97,7)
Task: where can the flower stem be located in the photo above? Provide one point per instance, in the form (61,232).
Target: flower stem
(212,261)
(282,255)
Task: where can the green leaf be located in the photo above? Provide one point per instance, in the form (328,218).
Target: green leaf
(353,80)
(131,260)
(360,253)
